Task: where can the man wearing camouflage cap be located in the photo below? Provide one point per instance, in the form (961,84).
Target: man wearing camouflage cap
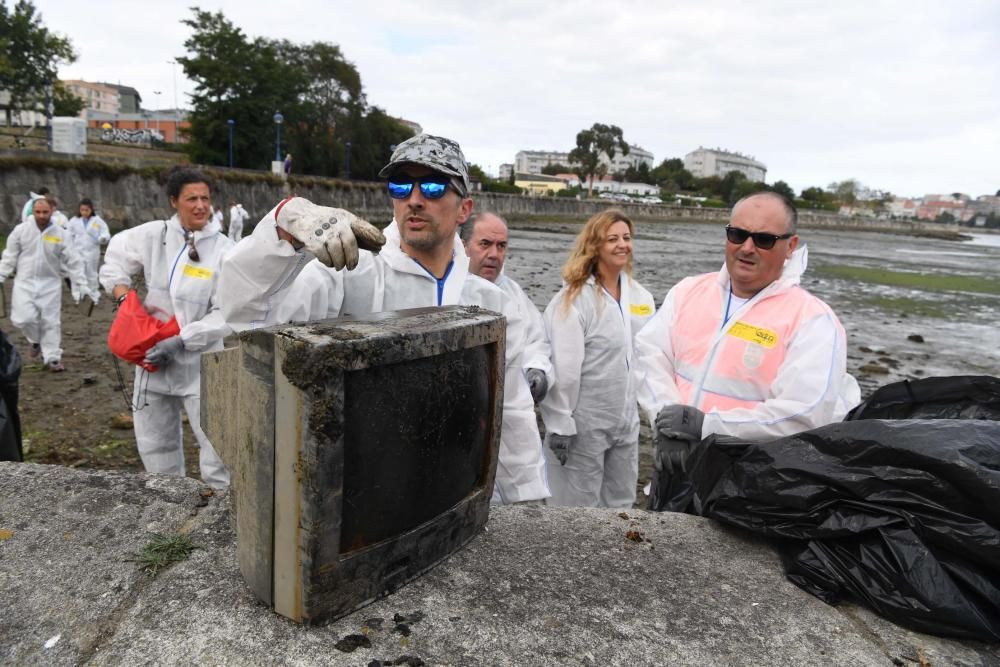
(269,278)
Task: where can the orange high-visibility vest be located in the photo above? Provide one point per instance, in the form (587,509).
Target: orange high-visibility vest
(734,369)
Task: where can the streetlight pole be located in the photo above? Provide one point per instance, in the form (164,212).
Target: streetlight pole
(157,93)
(230,123)
(347,160)
(278,119)
(174,63)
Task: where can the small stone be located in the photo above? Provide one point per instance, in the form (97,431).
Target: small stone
(916,338)
(351,643)
(874,369)
(89,379)
(122,422)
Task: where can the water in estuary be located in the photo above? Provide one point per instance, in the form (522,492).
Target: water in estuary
(912,307)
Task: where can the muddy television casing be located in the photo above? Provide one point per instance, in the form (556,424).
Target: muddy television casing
(362,450)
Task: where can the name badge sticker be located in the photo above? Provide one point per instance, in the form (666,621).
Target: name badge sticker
(640,309)
(759,335)
(51,239)
(197,272)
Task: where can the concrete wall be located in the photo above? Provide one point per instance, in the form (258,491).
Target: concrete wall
(138,197)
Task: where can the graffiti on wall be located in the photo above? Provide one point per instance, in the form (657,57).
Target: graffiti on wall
(119,136)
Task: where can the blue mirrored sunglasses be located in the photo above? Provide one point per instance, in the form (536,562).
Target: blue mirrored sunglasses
(431,187)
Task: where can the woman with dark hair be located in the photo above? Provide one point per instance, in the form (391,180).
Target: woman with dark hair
(179,259)
(89,233)
(591,416)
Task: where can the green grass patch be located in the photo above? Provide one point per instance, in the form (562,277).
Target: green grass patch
(905,306)
(923,281)
(111,446)
(162,551)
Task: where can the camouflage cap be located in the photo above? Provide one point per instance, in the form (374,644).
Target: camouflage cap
(437,153)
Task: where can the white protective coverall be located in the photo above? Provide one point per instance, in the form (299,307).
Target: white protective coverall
(237,214)
(262,285)
(537,351)
(812,387)
(41,258)
(176,285)
(88,236)
(594,397)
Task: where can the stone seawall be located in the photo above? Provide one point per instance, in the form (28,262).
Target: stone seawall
(539,586)
(134,198)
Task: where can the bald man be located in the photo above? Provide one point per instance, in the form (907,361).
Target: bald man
(745,351)
(485,238)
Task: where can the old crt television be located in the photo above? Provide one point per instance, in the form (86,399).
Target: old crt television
(362,450)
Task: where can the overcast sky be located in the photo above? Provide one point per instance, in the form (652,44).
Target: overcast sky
(903,96)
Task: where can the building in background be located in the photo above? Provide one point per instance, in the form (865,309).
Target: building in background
(539,184)
(532,162)
(96,96)
(706,162)
(414,126)
(170,123)
(129,100)
(636,156)
(506,170)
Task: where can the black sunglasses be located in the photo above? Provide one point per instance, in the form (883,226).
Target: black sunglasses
(431,187)
(762,240)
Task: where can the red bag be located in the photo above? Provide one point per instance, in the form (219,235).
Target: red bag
(134,331)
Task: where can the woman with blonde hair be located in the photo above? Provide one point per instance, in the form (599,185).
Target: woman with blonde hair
(591,417)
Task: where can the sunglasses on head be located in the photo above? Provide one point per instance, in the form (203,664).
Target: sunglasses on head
(762,240)
(431,187)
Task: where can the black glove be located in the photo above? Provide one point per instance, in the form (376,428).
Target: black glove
(560,444)
(678,430)
(538,384)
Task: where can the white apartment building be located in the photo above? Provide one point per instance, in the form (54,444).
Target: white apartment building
(706,162)
(531,162)
(506,169)
(636,156)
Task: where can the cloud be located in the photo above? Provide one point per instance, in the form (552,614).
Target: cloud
(898,94)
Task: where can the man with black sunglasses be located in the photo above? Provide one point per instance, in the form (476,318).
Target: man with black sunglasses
(745,351)
(422,263)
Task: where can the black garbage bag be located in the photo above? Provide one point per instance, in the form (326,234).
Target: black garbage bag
(902,516)
(10,420)
(956,397)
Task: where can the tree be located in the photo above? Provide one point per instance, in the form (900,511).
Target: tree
(591,144)
(554,168)
(845,192)
(30,56)
(783,189)
(65,103)
(671,175)
(328,125)
(728,190)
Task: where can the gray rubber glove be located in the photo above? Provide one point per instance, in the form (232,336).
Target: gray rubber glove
(538,383)
(560,444)
(164,352)
(680,421)
(333,235)
(678,430)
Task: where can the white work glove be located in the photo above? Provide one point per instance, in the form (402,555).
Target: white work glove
(333,235)
(164,352)
(76,292)
(538,383)
(95,296)
(678,430)
(560,444)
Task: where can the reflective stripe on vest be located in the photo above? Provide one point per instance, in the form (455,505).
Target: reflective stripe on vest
(733,367)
